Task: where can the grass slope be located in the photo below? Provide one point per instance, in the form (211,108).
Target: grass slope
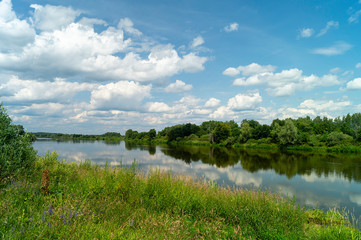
(85,201)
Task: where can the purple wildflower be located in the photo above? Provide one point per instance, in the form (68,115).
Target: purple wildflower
(50,211)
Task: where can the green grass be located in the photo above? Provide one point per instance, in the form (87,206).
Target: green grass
(86,201)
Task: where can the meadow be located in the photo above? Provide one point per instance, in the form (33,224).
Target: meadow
(59,200)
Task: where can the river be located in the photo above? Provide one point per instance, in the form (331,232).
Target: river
(315,180)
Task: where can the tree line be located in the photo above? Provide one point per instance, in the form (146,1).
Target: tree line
(320,131)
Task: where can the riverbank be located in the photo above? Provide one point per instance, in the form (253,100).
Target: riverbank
(84,201)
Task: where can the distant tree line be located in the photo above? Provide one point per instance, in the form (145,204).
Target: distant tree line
(63,136)
(320,131)
(304,131)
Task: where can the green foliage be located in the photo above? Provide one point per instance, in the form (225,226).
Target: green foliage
(336,138)
(16,151)
(221,132)
(287,134)
(89,202)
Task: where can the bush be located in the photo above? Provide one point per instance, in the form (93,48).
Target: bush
(336,138)
(16,151)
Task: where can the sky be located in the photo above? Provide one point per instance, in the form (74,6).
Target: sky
(91,66)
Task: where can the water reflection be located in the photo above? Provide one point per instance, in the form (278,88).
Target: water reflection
(283,163)
(317,180)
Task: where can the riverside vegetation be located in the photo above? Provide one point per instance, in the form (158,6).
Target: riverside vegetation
(46,198)
(321,134)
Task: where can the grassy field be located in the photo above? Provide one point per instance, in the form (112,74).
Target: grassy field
(57,200)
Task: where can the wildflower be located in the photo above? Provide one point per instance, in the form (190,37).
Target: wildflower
(50,211)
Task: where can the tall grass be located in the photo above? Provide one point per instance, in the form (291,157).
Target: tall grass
(85,201)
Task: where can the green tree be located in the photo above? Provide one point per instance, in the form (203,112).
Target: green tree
(335,138)
(246,132)
(152,134)
(288,133)
(16,152)
(221,132)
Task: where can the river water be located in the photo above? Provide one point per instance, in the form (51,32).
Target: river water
(315,180)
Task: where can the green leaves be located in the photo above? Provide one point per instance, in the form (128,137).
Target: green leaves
(16,151)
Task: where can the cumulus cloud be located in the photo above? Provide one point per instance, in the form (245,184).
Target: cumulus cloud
(231,27)
(157,107)
(244,101)
(283,83)
(21,91)
(358,65)
(337,48)
(64,47)
(329,25)
(14,33)
(322,105)
(122,95)
(251,69)
(44,109)
(198,41)
(306,32)
(212,102)
(354,84)
(50,18)
(178,86)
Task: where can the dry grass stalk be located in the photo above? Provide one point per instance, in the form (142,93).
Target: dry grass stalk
(45,181)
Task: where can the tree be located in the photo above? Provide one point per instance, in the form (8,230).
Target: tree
(288,133)
(335,138)
(246,132)
(17,154)
(221,132)
(152,133)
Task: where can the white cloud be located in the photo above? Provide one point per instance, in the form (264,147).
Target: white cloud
(335,70)
(192,63)
(255,68)
(324,105)
(122,95)
(286,82)
(231,72)
(329,25)
(78,50)
(244,101)
(197,42)
(354,17)
(50,18)
(44,109)
(157,107)
(251,69)
(231,27)
(306,32)
(337,48)
(284,113)
(178,86)
(90,22)
(127,25)
(354,84)
(14,33)
(358,65)
(21,91)
(212,102)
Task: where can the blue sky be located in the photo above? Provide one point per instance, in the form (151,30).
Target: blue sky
(97,66)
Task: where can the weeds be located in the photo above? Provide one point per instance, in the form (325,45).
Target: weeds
(86,201)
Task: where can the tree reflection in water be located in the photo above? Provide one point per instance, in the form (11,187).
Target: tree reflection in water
(283,163)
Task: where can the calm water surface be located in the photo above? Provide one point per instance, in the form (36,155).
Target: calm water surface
(316,180)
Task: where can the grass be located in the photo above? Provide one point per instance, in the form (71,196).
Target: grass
(85,201)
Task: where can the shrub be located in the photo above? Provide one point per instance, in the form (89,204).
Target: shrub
(16,151)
